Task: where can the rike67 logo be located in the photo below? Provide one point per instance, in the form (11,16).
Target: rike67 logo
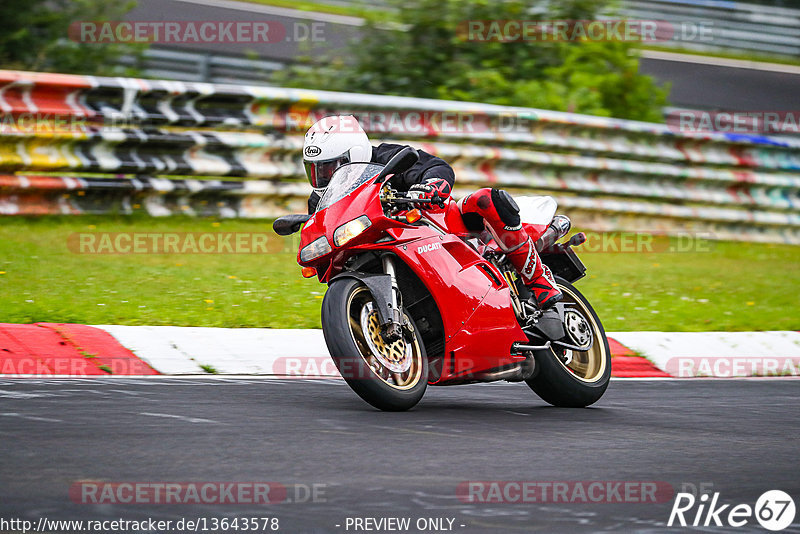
(774,510)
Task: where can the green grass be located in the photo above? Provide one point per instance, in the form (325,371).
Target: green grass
(726,286)
(732,286)
(45,281)
(210,369)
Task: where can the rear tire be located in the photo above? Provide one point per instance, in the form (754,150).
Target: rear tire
(586,378)
(354,350)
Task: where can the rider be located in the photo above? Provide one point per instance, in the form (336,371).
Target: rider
(336,140)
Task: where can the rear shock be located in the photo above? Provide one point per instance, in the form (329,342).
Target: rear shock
(501,263)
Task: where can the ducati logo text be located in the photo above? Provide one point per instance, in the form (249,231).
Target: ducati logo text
(427,248)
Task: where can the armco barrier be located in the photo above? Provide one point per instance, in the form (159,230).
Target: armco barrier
(77,144)
(734,26)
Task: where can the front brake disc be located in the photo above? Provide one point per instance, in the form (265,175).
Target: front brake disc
(395,356)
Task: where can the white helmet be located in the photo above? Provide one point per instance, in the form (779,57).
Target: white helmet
(330,143)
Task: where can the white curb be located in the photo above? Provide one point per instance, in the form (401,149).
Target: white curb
(184,350)
(303,353)
(718,354)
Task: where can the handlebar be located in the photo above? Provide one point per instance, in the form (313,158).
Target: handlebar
(393,196)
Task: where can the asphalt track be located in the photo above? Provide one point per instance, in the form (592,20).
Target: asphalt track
(738,435)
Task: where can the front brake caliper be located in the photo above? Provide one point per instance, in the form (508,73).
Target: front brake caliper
(391,332)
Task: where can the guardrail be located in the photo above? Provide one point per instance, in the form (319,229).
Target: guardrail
(734,26)
(125,145)
(208,66)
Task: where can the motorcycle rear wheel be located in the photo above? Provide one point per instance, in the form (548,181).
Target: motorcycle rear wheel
(389,376)
(578,379)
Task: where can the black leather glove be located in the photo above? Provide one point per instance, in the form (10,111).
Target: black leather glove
(421,191)
(432,190)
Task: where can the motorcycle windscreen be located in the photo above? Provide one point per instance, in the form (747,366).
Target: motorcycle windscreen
(345,180)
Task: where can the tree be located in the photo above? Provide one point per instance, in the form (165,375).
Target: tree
(35,35)
(423,48)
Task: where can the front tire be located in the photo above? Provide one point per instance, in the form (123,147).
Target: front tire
(390,377)
(583,380)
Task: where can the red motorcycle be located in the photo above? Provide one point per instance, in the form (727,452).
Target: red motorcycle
(414,299)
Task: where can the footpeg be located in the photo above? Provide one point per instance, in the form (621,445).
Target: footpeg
(549,324)
(522,347)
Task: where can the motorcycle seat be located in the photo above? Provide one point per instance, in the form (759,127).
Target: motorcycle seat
(536,210)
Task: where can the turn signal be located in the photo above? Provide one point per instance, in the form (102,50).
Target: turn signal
(577,239)
(308,272)
(413,216)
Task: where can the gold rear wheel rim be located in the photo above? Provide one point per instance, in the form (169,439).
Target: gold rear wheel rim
(586,366)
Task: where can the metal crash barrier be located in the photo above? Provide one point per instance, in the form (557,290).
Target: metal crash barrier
(83,144)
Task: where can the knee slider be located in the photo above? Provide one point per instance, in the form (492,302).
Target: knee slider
(506,208)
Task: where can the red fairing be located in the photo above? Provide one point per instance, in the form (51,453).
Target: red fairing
(474,301)
(448,218)
(534,230)
(363,201)
(472,296)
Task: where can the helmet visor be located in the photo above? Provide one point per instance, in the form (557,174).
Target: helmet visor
(319,172)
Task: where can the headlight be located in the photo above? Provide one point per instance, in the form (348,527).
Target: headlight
(351,229)
(315,249)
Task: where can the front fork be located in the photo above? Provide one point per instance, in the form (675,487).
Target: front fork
(393,329)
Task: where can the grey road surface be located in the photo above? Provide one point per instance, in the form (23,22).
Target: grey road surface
(735,437)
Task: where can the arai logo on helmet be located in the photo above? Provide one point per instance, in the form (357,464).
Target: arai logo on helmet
(312,151)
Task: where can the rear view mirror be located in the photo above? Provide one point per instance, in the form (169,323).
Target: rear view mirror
(400,162)
(289,224)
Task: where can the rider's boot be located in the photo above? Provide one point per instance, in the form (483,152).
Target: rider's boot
(501,217)
(535,275)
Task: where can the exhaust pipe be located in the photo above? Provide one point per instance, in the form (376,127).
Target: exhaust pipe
(558,228)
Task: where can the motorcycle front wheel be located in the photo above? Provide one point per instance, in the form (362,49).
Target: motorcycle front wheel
(389,376)
(574,379)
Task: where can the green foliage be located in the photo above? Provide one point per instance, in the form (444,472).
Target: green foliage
(424,51)
(35,36)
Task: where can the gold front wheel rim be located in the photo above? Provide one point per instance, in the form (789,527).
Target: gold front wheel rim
(359,299)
